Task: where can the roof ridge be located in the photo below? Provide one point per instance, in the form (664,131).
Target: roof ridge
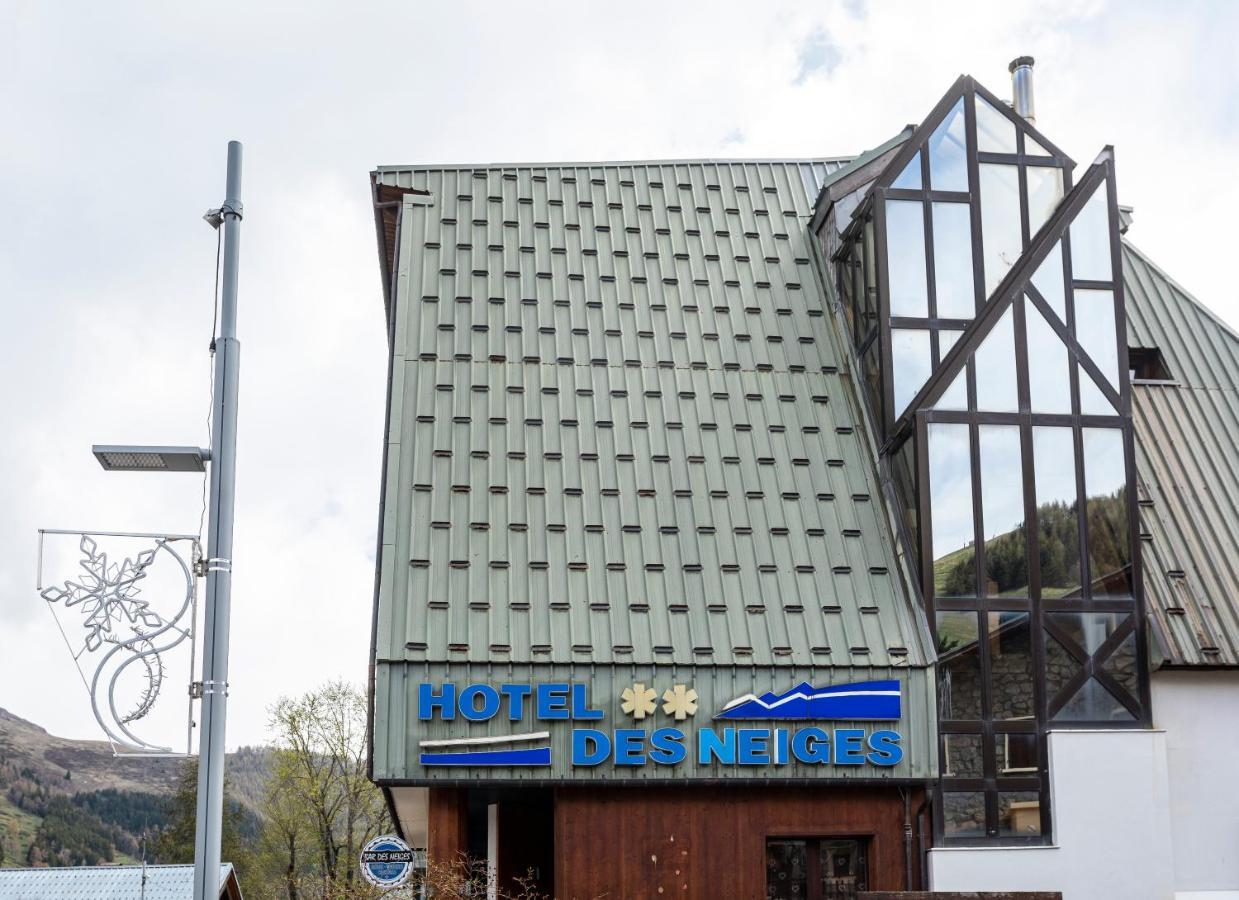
(114,867)
(595,164)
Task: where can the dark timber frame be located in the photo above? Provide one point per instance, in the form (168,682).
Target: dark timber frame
(871,213)
(863,263)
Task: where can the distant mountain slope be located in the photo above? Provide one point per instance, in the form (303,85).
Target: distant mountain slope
(79,804)
(89,764)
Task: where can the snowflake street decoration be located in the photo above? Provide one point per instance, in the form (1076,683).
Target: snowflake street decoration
(639,701)
(107,594)
(680,701)
(124,629)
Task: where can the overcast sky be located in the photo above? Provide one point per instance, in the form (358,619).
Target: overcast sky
(115,119)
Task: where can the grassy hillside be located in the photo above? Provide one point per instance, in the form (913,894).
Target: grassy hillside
(17,829)
(69,802)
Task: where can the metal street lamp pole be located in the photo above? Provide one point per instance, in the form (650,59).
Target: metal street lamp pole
(219,552)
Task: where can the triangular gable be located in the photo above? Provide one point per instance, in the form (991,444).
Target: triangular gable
(938,228)
(963,94)
(1106,383)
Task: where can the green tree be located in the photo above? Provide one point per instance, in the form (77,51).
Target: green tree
(175,843)
(320,769)
(286,850)
(71,836)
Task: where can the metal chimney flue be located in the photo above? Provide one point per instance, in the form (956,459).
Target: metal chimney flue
(1021,69)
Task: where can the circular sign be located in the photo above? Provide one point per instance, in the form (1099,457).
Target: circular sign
(386,861)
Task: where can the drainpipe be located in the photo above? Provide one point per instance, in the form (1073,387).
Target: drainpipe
(1021,69)
(907,839)
(922,850)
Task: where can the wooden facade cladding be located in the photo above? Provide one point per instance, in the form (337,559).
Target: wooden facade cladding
(447,829)
(710,842)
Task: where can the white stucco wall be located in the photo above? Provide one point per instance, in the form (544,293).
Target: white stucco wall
(1112,826)
(1148,815)
(1199,711)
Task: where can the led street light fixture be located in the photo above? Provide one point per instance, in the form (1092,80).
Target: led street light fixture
(122,458)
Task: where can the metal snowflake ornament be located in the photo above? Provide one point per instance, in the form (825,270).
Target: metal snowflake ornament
(107,594)
(123,654)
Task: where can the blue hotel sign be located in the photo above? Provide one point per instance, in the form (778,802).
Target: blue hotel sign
(773,729)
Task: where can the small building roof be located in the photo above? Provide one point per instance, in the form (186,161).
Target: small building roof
(110,883)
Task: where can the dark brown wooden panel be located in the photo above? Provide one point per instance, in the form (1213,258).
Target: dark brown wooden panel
(710,842)
(447,820)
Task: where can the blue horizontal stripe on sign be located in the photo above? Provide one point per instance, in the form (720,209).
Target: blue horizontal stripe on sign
(538,756)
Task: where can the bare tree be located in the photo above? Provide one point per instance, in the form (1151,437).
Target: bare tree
(320,770)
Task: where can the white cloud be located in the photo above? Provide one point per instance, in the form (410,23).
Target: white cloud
(116,118)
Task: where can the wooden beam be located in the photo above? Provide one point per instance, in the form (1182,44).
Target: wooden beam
(447,826)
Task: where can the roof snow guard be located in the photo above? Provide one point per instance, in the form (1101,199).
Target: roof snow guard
(616,404)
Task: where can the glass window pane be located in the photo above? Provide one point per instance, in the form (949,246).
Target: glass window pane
(1058,521)
(950,483)
(959,666)
(1090,240)
(910,177)
(1093,703)
(1048,280)
(995,132)
(1049,365)
(903,473)
(1092,401)
(1002,511)
(1032,148)
(787,870)
(1121,666)
(1089,630)
(1105,488)
(963,814)
(1015,754)
(867,298)
(1045,190)
(947,339)
(905,242)
(948,155)
(1095,330)
(955,396)
(872,373)
(1019,814)
(953,260)
(1001,231)
(962,756)
(995,358)
(842,866)
(1011,665)
(1060,666)
(849,270)
(910,363)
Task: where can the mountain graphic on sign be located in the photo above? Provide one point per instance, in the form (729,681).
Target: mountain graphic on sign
(859,701)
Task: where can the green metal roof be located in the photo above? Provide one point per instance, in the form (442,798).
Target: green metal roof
(619,433)
(1187,432)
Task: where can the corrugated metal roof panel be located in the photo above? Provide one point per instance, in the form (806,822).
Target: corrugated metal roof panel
(1187,433)
(618,430)
(103,883)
